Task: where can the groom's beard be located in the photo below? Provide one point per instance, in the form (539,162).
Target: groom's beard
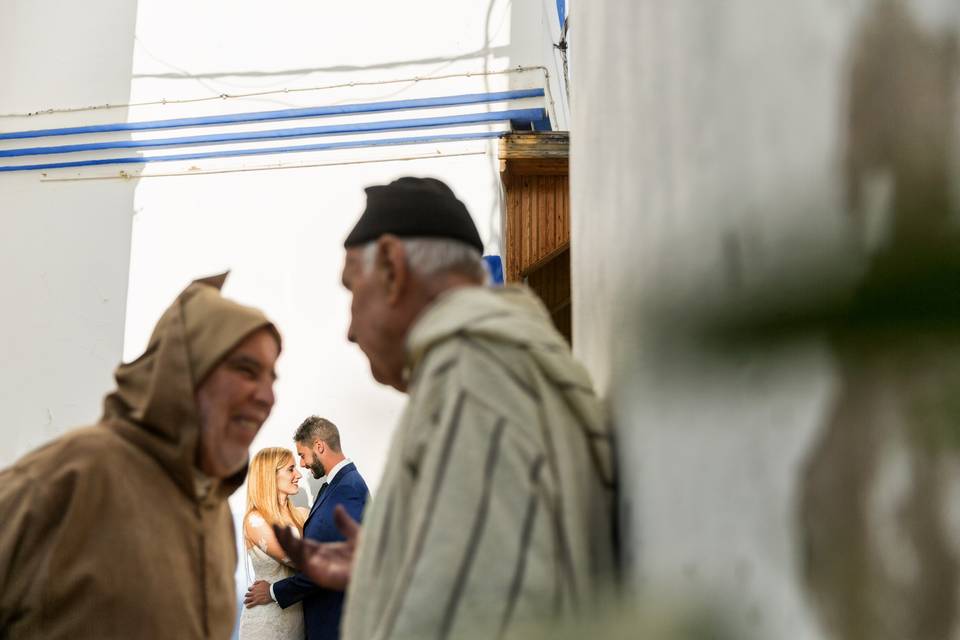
(316,468)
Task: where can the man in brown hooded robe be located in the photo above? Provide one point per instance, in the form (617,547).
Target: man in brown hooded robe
(122,529)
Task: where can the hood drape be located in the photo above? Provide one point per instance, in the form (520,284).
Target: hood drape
(514,315)
(153,405)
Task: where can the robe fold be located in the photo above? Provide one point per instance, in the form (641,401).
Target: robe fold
(496,506)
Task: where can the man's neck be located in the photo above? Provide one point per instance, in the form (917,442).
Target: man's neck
(429,290)
(333,465)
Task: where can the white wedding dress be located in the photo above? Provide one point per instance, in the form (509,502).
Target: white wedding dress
(269,621)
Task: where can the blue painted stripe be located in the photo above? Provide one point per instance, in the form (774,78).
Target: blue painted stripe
(515,115)
(283,114)
(562,12)
(495,264)
(328,146)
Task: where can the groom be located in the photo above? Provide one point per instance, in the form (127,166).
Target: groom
(318,443)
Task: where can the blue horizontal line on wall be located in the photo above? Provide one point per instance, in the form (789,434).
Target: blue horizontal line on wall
(328,146)
(283,114)
(519,118)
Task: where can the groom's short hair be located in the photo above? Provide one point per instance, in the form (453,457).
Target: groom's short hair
(317,428)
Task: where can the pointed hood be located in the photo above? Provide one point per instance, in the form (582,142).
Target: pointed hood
(153,406)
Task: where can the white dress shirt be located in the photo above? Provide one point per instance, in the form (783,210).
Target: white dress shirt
(327,479)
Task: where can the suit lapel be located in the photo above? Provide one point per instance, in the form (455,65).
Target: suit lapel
(316,503)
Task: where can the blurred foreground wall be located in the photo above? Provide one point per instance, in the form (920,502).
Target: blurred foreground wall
(773,187)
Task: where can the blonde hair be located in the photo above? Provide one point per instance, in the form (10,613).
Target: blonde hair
(262,493)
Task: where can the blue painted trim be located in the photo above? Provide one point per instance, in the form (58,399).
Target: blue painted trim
(283,114)
(520,116)
(259,152)
(562,12)
(496,269)
(543,124)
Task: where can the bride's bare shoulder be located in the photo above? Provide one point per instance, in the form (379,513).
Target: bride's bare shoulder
(254,519)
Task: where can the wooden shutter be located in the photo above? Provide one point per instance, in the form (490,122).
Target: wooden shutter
(534,169)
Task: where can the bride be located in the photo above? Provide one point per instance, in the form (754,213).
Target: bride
(271,482)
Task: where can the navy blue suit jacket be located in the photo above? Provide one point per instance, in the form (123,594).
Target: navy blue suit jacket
(322,607)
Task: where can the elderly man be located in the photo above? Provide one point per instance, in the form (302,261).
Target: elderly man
(495,508)
(122,529)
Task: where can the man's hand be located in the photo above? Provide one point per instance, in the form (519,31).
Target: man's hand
(328,564)
(258,593)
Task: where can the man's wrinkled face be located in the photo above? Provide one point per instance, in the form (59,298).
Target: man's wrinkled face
(310,460)
(370,315)
(234,401)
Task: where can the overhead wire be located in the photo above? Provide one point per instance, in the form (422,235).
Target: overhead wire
(123,175)
(250,94)
(562,46)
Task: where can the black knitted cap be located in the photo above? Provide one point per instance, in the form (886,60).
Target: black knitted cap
(414,207)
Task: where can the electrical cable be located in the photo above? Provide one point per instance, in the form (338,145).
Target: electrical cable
(123,175)
(232,96)
(281,114)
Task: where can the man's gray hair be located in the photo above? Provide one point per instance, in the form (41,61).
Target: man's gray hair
(317,428)
(432,256)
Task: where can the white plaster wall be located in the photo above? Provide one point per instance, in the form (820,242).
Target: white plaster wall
(64,247)
(706,169)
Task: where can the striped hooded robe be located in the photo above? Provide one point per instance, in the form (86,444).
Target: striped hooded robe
(495,508)
(105,534)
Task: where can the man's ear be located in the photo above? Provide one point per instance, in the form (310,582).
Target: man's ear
(391,262)
(319,446)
